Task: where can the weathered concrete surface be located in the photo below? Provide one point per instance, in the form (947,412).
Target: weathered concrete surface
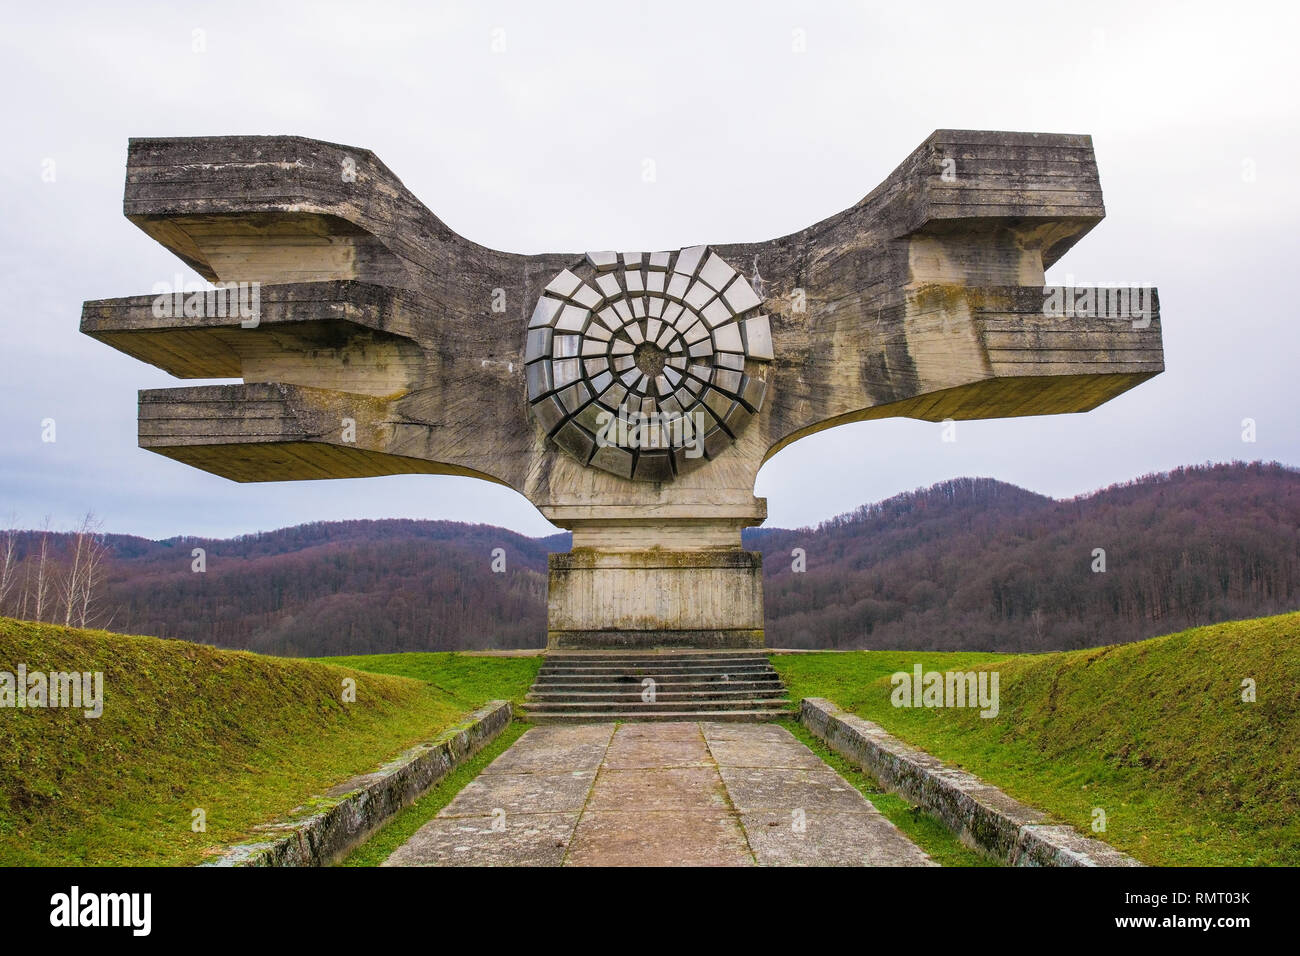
(659,794)
(924,300)
(561,792)
(655,598)
(641,752)
(751,752)
(530,839)
(983,817)
(828,838)
(576,748)
(659,838)
(768,788)
(345,816)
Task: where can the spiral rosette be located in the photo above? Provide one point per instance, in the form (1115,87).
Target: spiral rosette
(645,364)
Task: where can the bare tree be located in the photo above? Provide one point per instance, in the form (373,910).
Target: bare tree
(42,592)
(27,590)
(84,576)
(70,586)
(8,566)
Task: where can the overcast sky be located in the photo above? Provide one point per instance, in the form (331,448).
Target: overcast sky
(539,147)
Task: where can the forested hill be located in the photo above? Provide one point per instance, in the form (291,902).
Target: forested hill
(977,564)
(323,588)
(966,564)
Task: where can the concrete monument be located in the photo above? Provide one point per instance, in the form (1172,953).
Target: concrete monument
(630,396)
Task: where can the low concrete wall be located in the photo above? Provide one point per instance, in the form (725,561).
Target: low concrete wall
(983,817)
(333,824)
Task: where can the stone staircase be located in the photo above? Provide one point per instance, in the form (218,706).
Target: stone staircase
(657,685)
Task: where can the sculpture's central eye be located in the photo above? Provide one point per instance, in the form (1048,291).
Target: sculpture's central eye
(650,358)
(647,364)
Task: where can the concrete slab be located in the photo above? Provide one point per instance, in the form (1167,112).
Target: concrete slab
(555,747)
(834,838)
(659,838)
(628,752)
(531,839)
(764,753)
(522,793)
(677,788)
(662,730)
(753,788)
(726,730)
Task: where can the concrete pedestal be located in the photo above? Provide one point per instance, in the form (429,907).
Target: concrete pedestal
(655,598)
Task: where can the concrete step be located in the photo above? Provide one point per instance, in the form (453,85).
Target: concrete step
(634,696)
(661,665)
(618,682)
(597,706)
(672,683)
(634,700)
(652,670)
(639,715)
(620,657)
(616,656)
(723,685)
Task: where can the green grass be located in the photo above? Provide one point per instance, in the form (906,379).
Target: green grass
(404,823)
(459,676)
(1154,733)
(245,737)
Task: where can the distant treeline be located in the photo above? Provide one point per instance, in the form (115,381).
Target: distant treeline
(969,564)
(976,564)
(329,587)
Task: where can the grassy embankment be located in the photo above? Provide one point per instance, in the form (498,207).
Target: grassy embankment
(1155,733)
(244,737)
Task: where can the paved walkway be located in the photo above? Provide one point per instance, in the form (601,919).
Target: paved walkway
(659,794)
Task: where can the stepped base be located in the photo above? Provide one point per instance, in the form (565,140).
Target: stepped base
(753,716)
(655,686)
